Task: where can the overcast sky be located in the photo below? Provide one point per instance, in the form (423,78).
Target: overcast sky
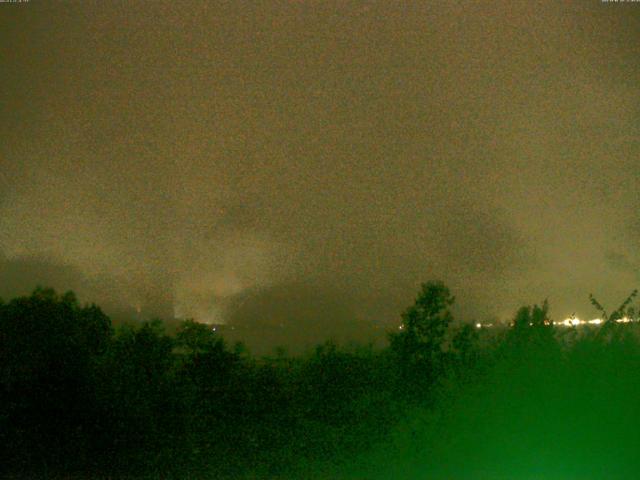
(310,163)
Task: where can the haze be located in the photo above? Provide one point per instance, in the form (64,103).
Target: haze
(303,166)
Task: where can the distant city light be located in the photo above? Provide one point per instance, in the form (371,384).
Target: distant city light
(567,322)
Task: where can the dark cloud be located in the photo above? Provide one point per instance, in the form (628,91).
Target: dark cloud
(620,261)
(121,300)
(476,240)
(298,316)
(195,152)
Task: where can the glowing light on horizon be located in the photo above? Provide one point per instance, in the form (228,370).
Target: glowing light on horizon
(567,322)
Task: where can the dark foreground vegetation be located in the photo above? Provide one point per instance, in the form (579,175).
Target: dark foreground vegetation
(80,399)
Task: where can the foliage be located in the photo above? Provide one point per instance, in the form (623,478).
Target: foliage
(48,345)
(78,398)
(532,327)
(623,310)
(419,346)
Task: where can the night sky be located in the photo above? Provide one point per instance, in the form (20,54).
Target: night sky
(301,167)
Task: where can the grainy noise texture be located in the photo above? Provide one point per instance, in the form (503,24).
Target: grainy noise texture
(200,158)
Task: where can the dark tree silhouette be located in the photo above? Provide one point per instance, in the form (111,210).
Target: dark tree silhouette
(80,400)
(419,345)
(48,347)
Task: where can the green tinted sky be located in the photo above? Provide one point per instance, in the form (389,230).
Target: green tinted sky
(203,155)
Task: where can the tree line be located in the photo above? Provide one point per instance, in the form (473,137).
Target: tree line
(81,398)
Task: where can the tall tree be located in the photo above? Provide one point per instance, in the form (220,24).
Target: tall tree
(419,344)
